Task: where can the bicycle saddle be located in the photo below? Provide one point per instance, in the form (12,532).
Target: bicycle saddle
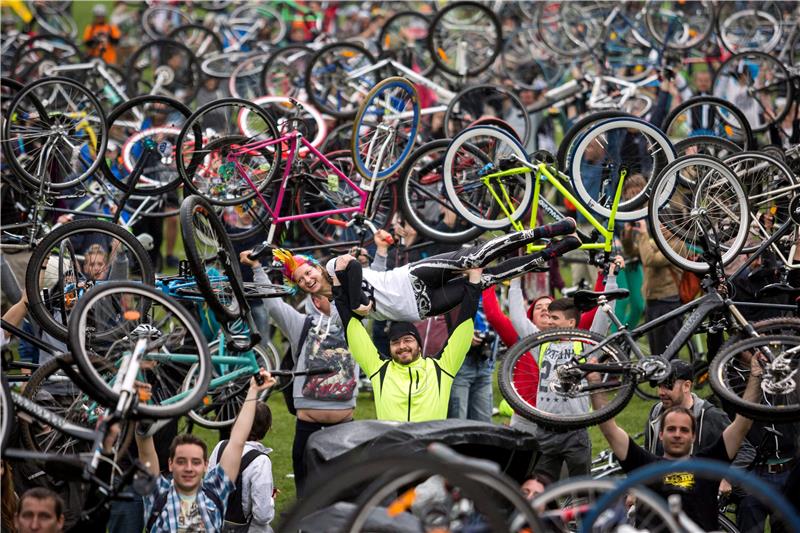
(779,288)
(587,300)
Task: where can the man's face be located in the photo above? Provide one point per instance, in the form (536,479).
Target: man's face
(322,303)
(676,435)
(38,516)
(557,319)
(309,278)
(532,488)
(188,467)
(702,81)
(540,316)
(674,395)
(94,266)
(404,350)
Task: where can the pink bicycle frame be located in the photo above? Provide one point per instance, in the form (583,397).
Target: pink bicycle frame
(293,138)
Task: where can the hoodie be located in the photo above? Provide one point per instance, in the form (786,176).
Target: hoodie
(711,422)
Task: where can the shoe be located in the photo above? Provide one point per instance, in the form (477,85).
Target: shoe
(562,227)
(172,261)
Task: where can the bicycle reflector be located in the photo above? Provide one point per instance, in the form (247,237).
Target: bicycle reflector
(132,315)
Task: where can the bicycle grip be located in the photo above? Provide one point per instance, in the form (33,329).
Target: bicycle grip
(259,378)
(336,222)
(259,251)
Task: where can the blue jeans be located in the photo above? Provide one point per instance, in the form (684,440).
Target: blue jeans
(127,516)
(471,395)
(751,513)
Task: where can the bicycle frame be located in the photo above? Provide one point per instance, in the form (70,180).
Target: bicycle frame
(415,77)
(294,139)
(543,174)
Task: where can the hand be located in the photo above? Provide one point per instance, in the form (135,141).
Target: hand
(245,259)
(110,439)
(593,377)
(725,487)
(476,339)
(474,274)
(63,219)
(269,381)
(363,310)
(617,264)
(382,241)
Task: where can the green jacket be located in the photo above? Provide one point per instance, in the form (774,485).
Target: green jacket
(418,391)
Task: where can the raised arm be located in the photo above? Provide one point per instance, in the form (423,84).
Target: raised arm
(735,433)
(232,456)
(617,438)
(516,310)
(358,339)
(459,342)
(497,319)
(147,453)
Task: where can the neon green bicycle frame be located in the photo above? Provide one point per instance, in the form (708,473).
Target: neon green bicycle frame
(543,174)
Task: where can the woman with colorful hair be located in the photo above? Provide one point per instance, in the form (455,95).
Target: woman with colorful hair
(431,286)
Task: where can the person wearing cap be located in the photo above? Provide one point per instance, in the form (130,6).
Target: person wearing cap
(409,387)
(101,37)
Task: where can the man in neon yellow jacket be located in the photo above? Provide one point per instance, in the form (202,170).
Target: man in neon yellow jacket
(410,387)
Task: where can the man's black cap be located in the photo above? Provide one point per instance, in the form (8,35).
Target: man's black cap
(399,329)
(680,370)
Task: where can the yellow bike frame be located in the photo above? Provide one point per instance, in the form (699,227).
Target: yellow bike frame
(543,174)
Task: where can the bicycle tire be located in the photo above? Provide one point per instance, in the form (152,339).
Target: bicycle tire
(86,100)
(221,243)
(706,145)
(103,391)
(661,38)
(784,84)
(162,50)
(494,49)
(748,140)
(723,25)
(485,222)
(564,155)
(268,77)
(412,193)
(320,100)
(783,325)
(209,44)
(509,383)
(577,45)
(671,195)
(412,54)
(661,153)
(33,284)
(119,111)
(37,381)
(517,109)
(240,385)
(361,148)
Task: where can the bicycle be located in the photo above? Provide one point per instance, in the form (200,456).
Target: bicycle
(609,356)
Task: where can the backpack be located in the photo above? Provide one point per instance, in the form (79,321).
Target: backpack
(161,501)
(288,362)
(235,519)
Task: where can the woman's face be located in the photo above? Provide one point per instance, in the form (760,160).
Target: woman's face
(309,278)
(541,318)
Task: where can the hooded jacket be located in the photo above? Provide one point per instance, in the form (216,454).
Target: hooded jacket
(710,421)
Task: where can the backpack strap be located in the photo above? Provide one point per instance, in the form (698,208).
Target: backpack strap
(304,334)
(158,506)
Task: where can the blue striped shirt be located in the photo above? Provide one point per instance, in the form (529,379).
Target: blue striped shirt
(215,480)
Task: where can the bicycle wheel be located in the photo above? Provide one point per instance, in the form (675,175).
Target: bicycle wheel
(540,396)
(329,83)
(285,70)
(164,67)
(759,85)
(679,25)
(628,145)
(158,21)
(385,128)
(571,29)
(709,116)
(781,326)
(769,185)
(7,416)
(465,38)
(563,505)
(778,400)
(706,145)
(566,148)
(423,200)
(752,29)
(528,70)
(480,101)
(118,318)
(695,195)
(62,146)
(211,257)
(463,178)
(199,39)
(50,386)
(74,257)
(245,80)
(290,114)
(260,21)
(222,404)
(403,38)
(226,166)
(145,126)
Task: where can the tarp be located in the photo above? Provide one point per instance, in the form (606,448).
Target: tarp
(511,449)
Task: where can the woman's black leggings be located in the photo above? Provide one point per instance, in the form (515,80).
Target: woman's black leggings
(438,280)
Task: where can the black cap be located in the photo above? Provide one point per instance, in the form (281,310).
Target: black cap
(680,370)
(399,329)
